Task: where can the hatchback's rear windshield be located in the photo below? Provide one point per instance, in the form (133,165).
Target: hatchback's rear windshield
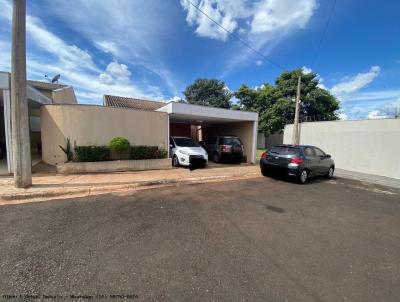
(231,141)
(185,142)
(282,150)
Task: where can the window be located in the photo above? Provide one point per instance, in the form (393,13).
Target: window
(185,142)
(283,150)
(231,141)
(309,152)
(319,152)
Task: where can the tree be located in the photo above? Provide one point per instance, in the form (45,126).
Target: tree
(208,92)
(276,105)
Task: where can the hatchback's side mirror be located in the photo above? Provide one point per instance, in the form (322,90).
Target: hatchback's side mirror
(328,156)
(170,145)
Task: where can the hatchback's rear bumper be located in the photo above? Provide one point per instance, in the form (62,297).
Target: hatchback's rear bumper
(290,170)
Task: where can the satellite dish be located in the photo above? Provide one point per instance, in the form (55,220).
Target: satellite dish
(56,78)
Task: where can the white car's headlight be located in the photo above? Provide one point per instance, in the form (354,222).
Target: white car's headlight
(183,152)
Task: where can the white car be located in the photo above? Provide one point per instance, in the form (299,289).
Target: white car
(185,152)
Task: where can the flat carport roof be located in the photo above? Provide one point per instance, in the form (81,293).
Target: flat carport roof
(202,115)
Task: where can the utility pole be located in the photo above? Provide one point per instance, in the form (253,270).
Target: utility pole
(19,104)
(295,134)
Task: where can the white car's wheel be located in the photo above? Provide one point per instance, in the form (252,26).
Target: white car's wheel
(175,161)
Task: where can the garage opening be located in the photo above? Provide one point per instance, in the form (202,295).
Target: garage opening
(200,123)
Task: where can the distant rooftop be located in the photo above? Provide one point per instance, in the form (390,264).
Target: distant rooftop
(132,103)
(45,85)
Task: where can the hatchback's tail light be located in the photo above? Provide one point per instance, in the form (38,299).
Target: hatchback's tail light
(296,160)
(264,155)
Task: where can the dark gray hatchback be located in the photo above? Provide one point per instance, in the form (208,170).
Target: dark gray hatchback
(299,161)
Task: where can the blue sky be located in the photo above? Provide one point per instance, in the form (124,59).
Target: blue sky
(153,49)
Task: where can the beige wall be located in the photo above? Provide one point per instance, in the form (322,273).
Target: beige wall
(64,95)
(366,146)
(97,125)
(243,130)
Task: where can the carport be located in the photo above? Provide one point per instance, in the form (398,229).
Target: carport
(199,122)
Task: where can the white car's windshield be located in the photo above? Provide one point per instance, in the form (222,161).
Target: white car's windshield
(185,142)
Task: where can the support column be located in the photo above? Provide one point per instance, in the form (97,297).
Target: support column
(19,104)
(254,147)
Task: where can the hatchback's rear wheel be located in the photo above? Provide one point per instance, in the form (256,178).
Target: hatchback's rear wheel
(264,171)
(303,176)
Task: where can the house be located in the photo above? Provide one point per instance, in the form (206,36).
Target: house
(56,117)
(142,122)
(38,94)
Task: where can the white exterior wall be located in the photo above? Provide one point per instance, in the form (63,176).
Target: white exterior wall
(366,146)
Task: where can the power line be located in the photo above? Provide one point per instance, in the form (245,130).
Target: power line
(323,33)
(237,37)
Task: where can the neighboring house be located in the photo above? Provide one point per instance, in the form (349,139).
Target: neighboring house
(38,94)
(58,93)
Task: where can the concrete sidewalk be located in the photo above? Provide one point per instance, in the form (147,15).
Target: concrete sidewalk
(369,178)
(51,185)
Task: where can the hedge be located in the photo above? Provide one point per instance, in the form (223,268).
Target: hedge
(92,153)
(147,152)
(102,153)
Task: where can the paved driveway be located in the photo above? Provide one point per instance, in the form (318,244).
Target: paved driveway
(249,240)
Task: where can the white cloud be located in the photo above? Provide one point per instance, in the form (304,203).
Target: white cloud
(343,116)
(108,47)
(274,15)
(105,78)
(174,99)
(306,70)
(119,71)
(206,27)
(352,84)
(389,110)
(375,114)
(264,16)
(263,23)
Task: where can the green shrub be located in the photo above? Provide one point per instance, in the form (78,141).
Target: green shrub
(92,153)
(162,153)
(119,144)
(143,152)
(147,152)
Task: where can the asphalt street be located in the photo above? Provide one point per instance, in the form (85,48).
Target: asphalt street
(251,240)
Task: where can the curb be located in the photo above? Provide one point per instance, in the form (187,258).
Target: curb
(113,188)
